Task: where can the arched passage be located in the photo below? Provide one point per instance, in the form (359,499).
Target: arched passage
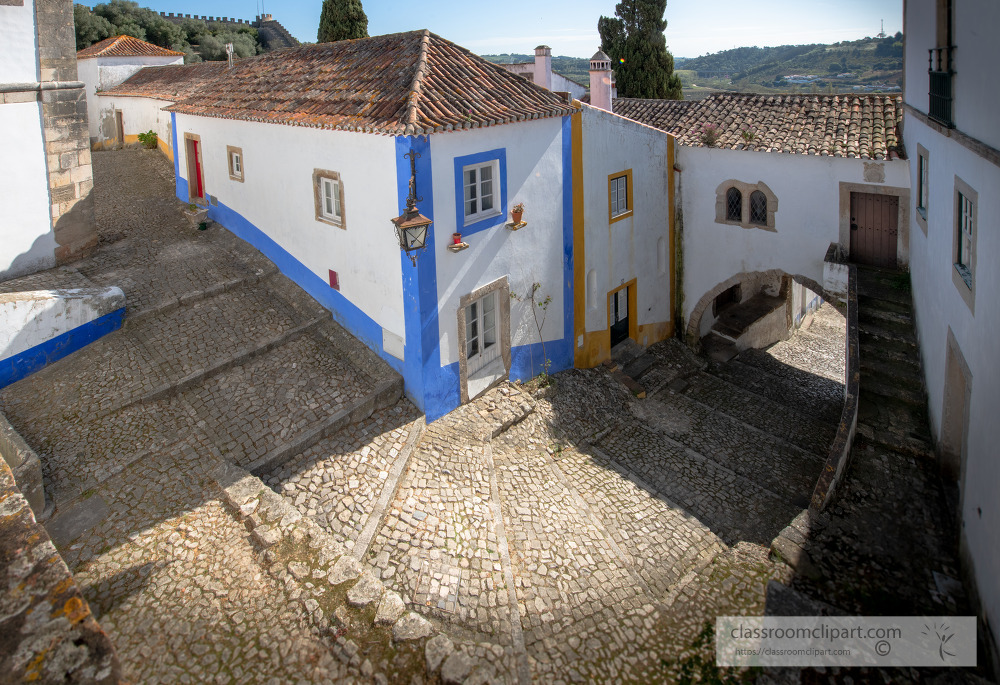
(749,284)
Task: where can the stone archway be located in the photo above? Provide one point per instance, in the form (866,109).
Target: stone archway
(751,282)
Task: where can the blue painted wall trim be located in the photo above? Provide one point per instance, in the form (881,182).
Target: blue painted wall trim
(345,312)
(562,358)
(489,222)
(26,363)
(177,153)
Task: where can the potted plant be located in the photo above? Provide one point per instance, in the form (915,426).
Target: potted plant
(196,214)
(516,212)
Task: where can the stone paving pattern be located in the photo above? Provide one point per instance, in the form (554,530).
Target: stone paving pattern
(561,534)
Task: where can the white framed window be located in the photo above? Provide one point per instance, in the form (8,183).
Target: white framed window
(922,184)
(481,348)
(619,195)
(966,227)
(480,188)
(329,195)
(235,157)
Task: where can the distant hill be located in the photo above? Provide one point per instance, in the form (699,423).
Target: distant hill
(573,68)
(869,64)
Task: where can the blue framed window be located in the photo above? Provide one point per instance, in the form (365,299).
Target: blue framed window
(480,190)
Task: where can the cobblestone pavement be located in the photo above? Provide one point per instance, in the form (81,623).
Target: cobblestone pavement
(562,534)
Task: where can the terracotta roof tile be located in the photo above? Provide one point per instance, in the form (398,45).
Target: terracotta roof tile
(171,82)
(125,46)
(864,126)
(401,84)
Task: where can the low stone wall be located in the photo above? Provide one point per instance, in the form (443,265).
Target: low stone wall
(835,272)
(840,450)
(40,327)
(47,632)
(24,465)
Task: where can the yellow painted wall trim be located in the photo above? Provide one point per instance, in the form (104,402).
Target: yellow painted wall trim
(580,357)
(628,195)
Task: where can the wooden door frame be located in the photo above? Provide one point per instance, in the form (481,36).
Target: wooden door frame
(902,217)
(633,314)
(194,167)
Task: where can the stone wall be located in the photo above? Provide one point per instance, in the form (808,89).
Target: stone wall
(67,141)
(47,632)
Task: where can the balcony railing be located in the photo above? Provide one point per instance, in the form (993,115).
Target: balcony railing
(941,69)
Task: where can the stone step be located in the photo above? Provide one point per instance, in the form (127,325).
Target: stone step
(770,462)
(882,351)
(894,289)
(778,420)
(884,330)
(823,401)
(884,315)
(904,374)
(897,441)
(626,351)
(718,348)
(732,506)
(904,308)
(884,386)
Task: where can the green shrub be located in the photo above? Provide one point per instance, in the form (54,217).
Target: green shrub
(148,140)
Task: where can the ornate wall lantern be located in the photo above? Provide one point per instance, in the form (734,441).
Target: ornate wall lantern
(411,225)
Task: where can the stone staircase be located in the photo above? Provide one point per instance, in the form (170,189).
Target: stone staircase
(739,444)
(222,361)
(888,544)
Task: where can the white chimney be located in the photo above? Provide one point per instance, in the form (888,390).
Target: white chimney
(600,81)
(543,66)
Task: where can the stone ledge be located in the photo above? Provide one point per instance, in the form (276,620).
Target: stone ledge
(49,632)
(25,466)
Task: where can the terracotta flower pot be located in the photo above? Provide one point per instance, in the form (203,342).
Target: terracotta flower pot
(456,238)
(516,216)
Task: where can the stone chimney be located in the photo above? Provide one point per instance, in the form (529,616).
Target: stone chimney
(600,81)
(543,66)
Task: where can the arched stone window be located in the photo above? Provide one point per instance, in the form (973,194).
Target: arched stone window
(734,205)
(758,208)
(749,205)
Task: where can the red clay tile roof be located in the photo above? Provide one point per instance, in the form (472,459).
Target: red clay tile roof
(126,46)
(171,82)
(864,126)
(402,84)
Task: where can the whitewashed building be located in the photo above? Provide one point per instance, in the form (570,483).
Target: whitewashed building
(953,139)
(766,183)
(46,179)
(540,72)
(104,65)
(306,153)
(139,103)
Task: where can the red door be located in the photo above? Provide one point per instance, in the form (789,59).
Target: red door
(874,229)
(195,181)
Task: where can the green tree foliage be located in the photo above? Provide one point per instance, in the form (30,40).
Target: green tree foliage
(196,39)
(634,41)
(342,20)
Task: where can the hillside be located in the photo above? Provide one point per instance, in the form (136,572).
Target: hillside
(869,64)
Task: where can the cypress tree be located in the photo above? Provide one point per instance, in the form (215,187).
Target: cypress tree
(634,41)
(342,20)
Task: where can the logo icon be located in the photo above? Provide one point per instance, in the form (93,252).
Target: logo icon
(943,633)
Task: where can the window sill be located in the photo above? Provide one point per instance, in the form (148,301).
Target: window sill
(619,217)
(238,179)
(964,274)
(922,211)
(331,222)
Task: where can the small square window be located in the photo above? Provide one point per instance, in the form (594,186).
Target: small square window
(329,191)
(235,158)
(619,195)
(964,241)
(480,190)
(922,184)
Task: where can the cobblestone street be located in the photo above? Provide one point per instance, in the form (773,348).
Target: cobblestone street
(558,534)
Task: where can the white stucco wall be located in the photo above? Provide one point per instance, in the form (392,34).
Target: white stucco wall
(629,248)
(562,84)
(19,47)
(27,243)
(28,319)
(940,307)
(138,116)
(807,220)
(277,197)
(531,254)
(101,73)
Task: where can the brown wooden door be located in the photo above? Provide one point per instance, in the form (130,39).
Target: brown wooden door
(874,229)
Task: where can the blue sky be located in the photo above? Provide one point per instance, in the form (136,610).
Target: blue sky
(695,27)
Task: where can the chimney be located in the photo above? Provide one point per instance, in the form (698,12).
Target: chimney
(600,81)
(543,66)
(229,54)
